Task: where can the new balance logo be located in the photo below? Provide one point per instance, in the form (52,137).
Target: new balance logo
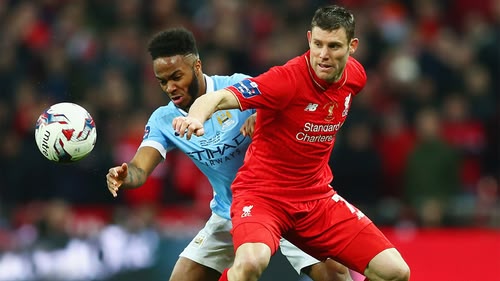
(311,107)
(246,211)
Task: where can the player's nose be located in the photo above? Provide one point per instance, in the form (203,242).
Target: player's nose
(170,87)
(323,54)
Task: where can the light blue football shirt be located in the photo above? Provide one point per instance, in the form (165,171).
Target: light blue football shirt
(218,153)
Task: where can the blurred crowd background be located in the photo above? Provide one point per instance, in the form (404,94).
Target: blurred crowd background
(420,147)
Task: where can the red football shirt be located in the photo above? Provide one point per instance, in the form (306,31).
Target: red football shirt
(298,116)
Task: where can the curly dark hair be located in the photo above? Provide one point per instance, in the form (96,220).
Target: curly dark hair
(171,42)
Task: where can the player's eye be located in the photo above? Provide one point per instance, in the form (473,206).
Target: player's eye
(335,46)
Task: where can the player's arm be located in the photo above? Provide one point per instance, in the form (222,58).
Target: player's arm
(202,108)
(134,173)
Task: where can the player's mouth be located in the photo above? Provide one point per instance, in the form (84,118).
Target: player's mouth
(324,67)
(177,100)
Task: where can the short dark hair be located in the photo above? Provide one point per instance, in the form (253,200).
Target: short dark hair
(333,17)
(171,42)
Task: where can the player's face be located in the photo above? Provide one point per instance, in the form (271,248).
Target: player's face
(179,77)
(329,52)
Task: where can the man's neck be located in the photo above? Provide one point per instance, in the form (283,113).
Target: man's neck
(203,89)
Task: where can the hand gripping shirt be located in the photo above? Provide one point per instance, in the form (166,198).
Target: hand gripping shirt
(218,153)
(298,116)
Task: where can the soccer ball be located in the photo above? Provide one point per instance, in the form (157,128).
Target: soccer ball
(65,132)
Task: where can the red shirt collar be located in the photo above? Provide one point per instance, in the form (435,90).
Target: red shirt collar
(320,83)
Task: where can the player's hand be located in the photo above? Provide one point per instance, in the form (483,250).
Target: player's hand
(248,127)
(115,178)
(188,126)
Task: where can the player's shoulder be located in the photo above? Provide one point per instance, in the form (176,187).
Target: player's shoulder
(290,70)
(357,74)
(296,63)
(165,111)
(222,81)
(356,68)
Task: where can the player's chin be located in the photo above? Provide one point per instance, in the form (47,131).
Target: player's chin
(327,76)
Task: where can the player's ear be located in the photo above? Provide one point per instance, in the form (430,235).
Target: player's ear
(197,65)
(353,45)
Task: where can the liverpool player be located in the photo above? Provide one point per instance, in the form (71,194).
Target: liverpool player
(283,188)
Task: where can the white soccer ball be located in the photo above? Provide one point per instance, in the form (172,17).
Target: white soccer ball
(65,132)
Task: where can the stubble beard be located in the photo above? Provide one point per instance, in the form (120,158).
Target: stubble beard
(193,89)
